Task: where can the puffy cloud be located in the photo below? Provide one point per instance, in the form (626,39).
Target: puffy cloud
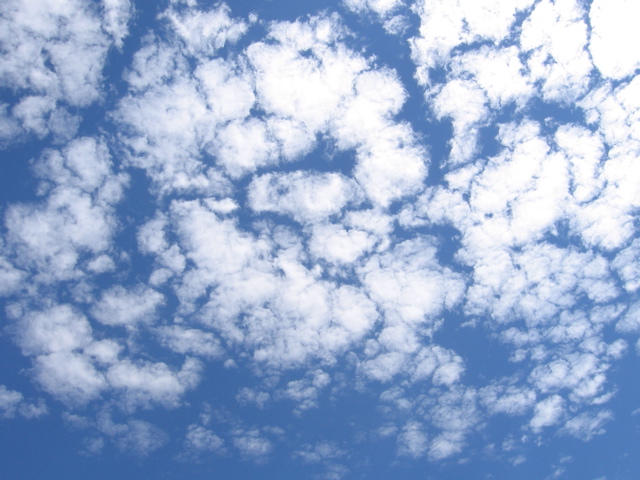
(247,396)
(115,18)
(380,7)
(12,402)
(409,283)
(75,218)
(445,25)
(205,32)
(251,443)
(556,35)
(305,392)
(306,88)
(535,240)
(200,440)
(57,329)
(306,197)
(190,341)
(612,31)
(511,400)
(588,424)
(127,307)
(70,377)
(320,452)
(40,40)
(626,266)
(337,244)
(412,442)
(135,437)
(143,384)
(547,413)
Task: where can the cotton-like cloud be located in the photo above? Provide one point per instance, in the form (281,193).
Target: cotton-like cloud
(547,412)
(13,402)
(263,198)
(118,306)
(40,40)
(613,29)
(305,197)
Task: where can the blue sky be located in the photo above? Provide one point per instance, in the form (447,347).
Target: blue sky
(334,240)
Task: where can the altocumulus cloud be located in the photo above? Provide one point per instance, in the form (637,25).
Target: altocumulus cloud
(241,227)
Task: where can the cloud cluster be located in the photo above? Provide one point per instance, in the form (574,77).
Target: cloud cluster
(298,228)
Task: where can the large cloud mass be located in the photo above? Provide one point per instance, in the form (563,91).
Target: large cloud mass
(255,196)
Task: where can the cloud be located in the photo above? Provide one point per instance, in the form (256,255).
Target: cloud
(445,25)
(510,400)
(12,403)
(305,392)
(251,444)
(547,412)
(556,36)
(75,218)
(612,30)
(200,440)
(70,377)
(190,341)
(247,396)
(306,197)
(381,7)
(143,383)
(135,437)
(205,32)
(299,229)
(40,65)
(412,442)
(588,424)
(127,307)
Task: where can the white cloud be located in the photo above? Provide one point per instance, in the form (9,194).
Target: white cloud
(76,217)
(143,384)
(136,437)
(612,31)
(585,425)
(205,32)
(40,40)
(511,400)
(199,440)
(556,35)
(412,441)
(305,391)
(190,341)
(127,307)
(445,25)
(631,320)
(320,452)
(57,329)
(9,401)
(306,197)
(116,17)
(627,267)
(455,413)
(251,443)
(383,8)
(306,88)
(12,403)
(410,284)
(465,103)
(548,412)
(247,396)
(70,377)
(338,245)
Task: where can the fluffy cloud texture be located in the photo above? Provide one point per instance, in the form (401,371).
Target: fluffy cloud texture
(256,199)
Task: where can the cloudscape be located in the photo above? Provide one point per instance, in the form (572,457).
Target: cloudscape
(355,239)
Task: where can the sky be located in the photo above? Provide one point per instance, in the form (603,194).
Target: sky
(353,239)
